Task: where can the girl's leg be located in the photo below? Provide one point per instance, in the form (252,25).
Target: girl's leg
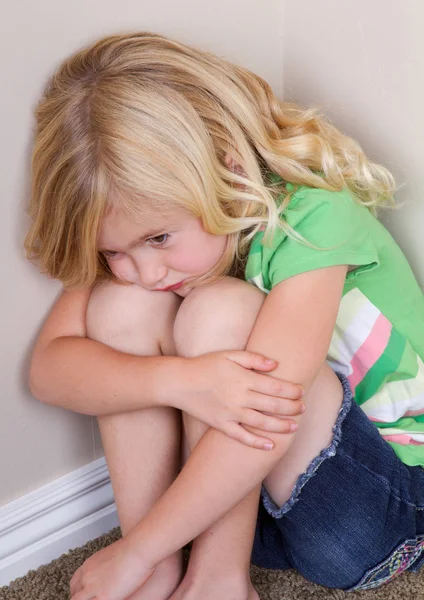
(218,317)
(141,447)
(221,317)
(315,433)
(220,557)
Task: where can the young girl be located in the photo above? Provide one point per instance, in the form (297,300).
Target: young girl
(158,169)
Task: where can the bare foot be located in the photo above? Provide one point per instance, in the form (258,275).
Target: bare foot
(253,594)
(217,590)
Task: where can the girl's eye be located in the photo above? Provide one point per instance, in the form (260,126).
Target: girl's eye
(159,240)
(110,255)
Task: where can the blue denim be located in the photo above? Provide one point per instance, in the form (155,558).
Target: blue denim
(355,518)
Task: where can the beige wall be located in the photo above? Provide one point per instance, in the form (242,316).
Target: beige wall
(39,443)
(362,59)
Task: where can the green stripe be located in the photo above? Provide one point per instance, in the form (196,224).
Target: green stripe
(407,424)
(385,366)
(409,455)
(408,367)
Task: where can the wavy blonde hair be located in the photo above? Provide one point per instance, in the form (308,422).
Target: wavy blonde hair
(145,123)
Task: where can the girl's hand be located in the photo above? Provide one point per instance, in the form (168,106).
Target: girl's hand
(113,573)
(223,390)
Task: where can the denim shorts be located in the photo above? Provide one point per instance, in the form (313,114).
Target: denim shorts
(355,518)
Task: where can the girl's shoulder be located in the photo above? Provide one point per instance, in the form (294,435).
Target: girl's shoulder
(323,204)
(319,228)
(322,217)
(314,208)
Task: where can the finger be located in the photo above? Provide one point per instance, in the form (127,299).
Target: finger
(274,406)
(74,584)
(83,595)
(238,433)
(271,386)
(251,360)
(258,420)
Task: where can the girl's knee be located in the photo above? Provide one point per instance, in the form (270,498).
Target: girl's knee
(219,316)
(131,319)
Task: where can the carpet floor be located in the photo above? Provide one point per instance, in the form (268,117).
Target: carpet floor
(51,582)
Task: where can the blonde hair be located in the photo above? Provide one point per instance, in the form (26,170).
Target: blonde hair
(144,123)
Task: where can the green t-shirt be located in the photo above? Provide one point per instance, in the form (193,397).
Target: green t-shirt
(378,340)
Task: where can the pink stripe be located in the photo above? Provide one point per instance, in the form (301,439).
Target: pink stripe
(402,438)
(370,351)
(414,413)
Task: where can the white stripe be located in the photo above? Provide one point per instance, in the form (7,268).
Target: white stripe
(393,408)
(417,437)
(258,282)
(339,367)
(346,341)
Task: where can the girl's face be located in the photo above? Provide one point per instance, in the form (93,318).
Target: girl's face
(161,254)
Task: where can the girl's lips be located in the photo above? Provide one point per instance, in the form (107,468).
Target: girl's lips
(171,288)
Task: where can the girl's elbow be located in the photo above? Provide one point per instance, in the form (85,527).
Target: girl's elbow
(36,382)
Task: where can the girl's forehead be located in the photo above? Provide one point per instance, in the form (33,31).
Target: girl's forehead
(145,219)
(120,228)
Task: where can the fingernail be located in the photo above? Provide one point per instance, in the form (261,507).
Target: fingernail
(302,408)
(268,446)
(269,361)
(293,426)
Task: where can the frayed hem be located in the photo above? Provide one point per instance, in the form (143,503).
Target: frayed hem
(269,504)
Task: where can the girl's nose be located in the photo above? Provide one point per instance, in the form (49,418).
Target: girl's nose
(151,274)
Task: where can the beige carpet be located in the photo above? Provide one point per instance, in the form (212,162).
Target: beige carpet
(51,582)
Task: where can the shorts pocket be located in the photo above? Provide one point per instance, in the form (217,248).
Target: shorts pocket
(400,560)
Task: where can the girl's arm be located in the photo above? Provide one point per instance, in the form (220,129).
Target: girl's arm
(295,325)
(77,373)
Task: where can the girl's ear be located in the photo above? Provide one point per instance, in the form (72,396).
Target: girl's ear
(236,168)
(233,165)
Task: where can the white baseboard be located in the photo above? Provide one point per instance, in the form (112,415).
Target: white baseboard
(59,516)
